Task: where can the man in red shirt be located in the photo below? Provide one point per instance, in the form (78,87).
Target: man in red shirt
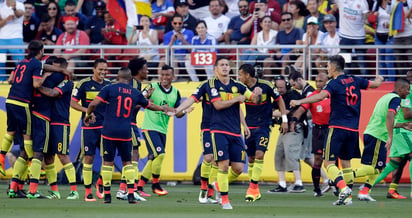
(72,37)
(320,117)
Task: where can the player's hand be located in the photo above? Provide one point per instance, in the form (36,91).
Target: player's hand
(379,77)
(388,144)
(294,103)
(241,98)
(247,132)
(190,109)
(284,127)
(257,91)
(149,92)
(89,119)
(407,126)
(68,73)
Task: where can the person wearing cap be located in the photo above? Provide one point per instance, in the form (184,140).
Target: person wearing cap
(330,38)
(251,25)
(72,36)
(182,8)
(95,24)
(312,7)
(310,37)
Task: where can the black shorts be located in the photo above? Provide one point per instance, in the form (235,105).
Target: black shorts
(228,147)
(41,134)
(155,142)
(258,140)
(374,152)
(18,117)
(124,149)
(207,142)
(91,139)
(319,133)
(135,137)
(341,143)
(59,139)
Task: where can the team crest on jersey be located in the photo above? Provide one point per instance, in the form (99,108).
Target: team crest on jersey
(158,149)
(220,25)
(220,153)
(380,163)
(207,145)
(214,92)
(408,102)
(235,89)
(75,91)
(86,148)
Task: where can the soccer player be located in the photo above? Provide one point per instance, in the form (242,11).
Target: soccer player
(320,116)
(121,99)
(155,127)
(401,144)
(397,173)
(60,133)
(343,136)
(225,95)
(259,120)
(378,139)
(138,68)
(86,90)
(26,77)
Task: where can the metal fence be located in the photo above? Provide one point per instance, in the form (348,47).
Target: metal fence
(374,62)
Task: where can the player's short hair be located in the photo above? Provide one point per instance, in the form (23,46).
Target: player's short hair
(401,82)
(248,68)
(50,60)
(168,67)
(35,47)
(219,58)
(295,75)
(338,61)
(136,64)
(62,62)
(124,73)
(97,61)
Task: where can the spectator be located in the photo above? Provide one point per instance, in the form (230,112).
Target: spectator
(95,24)
(311,37)
(233,35)
(30,22)
(72,36)
(289,36)
(162,10)
(11,32)
(273,5)
(352,16)
(113,33)
(145,37)
(48,34)
(87,7)
(54,12)
(217,22)
(266,37)
(207,43)
(381,18)
(404,38)
(299,11)
(70,11)
(182,8)
(177,36)
(40,7)
(251,25)
(233,9)
(312,7)
(330,38)
(199,8)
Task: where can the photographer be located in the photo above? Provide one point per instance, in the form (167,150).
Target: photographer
(289,143)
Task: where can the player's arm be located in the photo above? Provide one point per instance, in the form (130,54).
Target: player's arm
(184,105)
(48,91)
(52,68)
(10,79)
(244,124)
(220,104)
(390,120)
(90,118)
(376,82)
(407,113)
(312,99)
(76,105)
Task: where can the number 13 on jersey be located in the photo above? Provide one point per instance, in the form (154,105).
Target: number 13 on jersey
(202,58)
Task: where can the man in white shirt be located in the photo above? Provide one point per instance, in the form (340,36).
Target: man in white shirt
(331,37)
(11,32)
(217,23)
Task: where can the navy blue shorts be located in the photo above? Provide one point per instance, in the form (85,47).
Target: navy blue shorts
(18,118)
(91,139)
(228,147)
(341,143)
(40,136)
(59,139)
(258,140)
(124,149)
(207,142)
(135,137)
(374,152)
(155,143)
(319,133)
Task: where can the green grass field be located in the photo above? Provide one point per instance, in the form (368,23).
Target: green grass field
(182,202)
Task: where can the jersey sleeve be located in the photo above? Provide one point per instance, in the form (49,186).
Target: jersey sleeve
(244,91)
(146,89)
(394,105)
(407,102)
(364,83)
(104,94)
(37,70)
(199,92)
(329,88)
(273,92)
(78,92)
(64,87)
(178,99)
(140,99)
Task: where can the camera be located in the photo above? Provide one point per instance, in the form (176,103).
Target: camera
(257,9)
(139,27)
